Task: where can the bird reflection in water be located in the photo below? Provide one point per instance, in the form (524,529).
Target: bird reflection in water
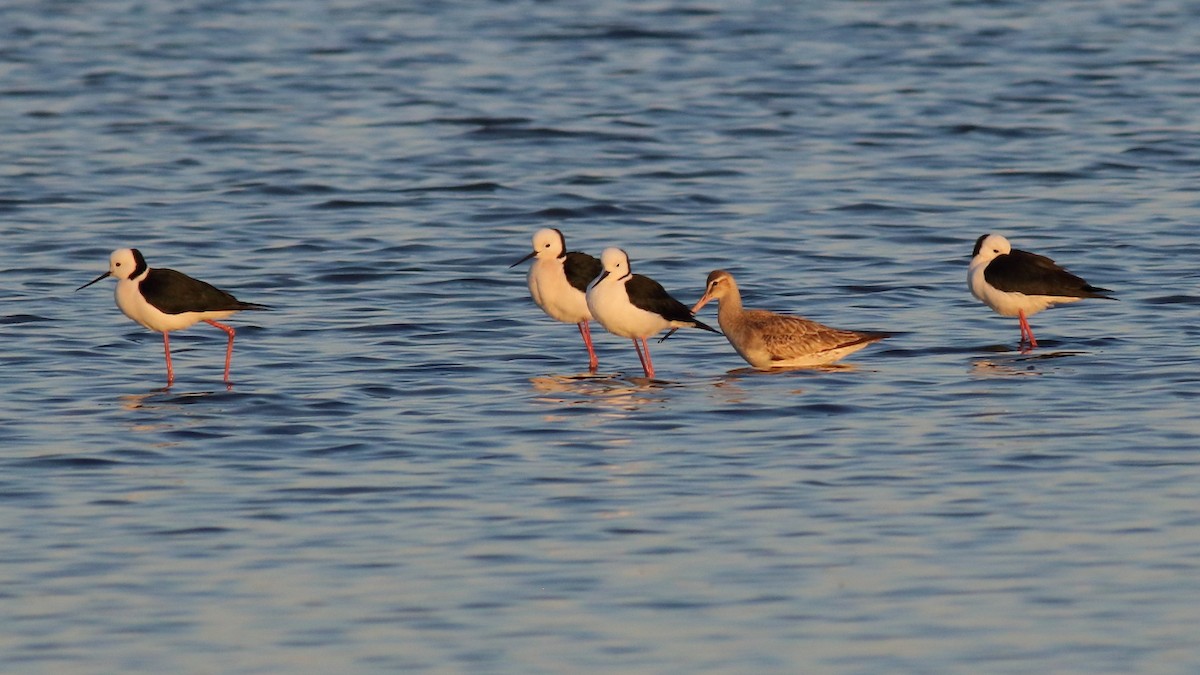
(1019,364)
(614,392)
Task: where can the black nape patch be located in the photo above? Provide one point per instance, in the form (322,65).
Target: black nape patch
(139,264)
(979,244)
(562,242)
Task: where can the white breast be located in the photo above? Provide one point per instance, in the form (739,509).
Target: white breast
(134,306)
(556,296)
(610,306)
(1005,303)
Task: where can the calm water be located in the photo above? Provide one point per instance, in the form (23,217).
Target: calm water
(411,474)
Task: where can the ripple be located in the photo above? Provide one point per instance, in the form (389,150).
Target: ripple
(411,459)
(66,462)
(338,204)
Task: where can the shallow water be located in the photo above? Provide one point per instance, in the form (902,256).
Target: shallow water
(412,471)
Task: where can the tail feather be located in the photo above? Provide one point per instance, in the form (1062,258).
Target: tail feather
(251,306)
(695,322)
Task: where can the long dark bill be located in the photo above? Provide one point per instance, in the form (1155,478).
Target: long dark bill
(522,260)
(102,276)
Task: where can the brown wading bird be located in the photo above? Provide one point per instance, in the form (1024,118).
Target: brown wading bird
(769,340)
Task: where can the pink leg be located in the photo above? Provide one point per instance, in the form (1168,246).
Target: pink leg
(586,331)
(1026,331)
(647,364)
(641,359)
(229,349)
(167,350)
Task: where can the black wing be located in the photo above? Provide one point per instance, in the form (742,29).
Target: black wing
(174,292)
(1032,274)
(581,269)
(646,293)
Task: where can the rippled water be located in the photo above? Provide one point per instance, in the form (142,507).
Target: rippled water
(412,472)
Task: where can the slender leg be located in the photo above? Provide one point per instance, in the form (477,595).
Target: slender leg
(586,331)
(1026,331)
(642,359)
(647,364)
(229,349)
(167,350)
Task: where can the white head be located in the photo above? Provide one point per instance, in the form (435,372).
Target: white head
(615,262)
(548,243)
(124,263)
(988,246)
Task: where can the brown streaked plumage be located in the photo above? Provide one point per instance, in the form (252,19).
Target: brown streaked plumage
(769,340)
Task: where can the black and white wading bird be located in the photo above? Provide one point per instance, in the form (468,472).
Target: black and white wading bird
(164,300)
(633,306)
(1018,283)
(558,282)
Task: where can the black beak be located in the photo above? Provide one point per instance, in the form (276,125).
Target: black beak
(600,278)
(522,260)
(102,276)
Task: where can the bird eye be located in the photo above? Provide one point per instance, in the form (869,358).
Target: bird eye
(118,264)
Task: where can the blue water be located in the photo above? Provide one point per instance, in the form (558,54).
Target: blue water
(413,473)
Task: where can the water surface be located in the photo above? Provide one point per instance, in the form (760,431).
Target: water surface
(413,472)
